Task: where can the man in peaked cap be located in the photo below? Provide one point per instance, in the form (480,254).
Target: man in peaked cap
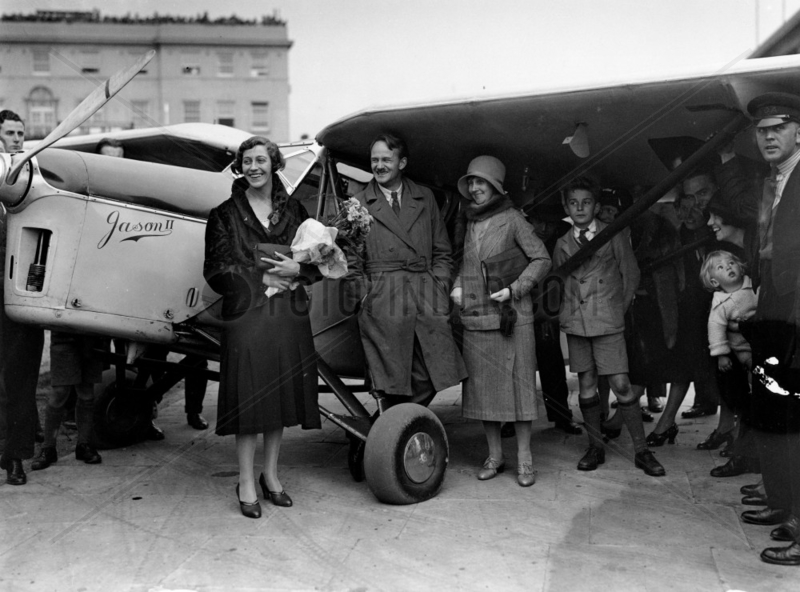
(774,331)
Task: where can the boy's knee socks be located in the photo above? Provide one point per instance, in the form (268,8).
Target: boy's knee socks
(632,416)
(590,409)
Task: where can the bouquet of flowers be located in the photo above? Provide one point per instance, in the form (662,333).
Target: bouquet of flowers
(315,243)
(353,223)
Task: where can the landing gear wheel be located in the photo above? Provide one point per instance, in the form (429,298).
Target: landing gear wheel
(355,458)
(121,418)
(406,455)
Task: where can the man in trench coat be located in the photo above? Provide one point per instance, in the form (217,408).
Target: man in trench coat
(403,283)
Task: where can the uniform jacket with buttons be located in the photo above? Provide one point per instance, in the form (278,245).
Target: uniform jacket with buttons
(403,284)
(597,294)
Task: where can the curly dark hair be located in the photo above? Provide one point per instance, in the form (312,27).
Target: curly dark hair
(275,156)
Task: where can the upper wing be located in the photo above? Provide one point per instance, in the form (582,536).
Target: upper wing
(201,146)
(634,130)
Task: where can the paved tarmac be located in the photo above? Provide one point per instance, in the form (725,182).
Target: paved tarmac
(163,516)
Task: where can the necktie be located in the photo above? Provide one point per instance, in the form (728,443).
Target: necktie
(395,204)
(582,239)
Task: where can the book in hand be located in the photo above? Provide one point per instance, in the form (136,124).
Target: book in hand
(269,251)
(501,270)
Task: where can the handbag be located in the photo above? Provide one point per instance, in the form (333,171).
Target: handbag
(501,270)
(268,250)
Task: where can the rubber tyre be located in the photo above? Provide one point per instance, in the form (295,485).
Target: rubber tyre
(120,420)
(384,454)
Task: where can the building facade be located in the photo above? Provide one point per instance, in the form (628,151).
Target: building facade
(230,71)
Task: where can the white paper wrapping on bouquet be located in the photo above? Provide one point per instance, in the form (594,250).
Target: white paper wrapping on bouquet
(315,243)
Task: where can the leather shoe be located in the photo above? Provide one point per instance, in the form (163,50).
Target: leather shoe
(782,555)
(654,405)
(568,427)
(789,531)
(754,489)
(754,500)
(280,498)
(491,466)
(765,517)
(696,411)
(646,461)
(15,473)
(593,458)
(248,509)
(47,456)
(647,416)
(526,476)
(196,421)
(88,454)
(737,465)
(154,433)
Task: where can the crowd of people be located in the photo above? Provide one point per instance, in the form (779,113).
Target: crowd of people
(703,295)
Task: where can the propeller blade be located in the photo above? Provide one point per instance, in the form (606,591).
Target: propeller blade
(88,107)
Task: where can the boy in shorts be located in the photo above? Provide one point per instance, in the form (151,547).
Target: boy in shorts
(592,314)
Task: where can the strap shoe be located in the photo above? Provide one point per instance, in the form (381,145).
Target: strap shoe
(491,467)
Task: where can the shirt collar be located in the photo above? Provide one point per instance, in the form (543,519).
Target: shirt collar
(388,194)
(786,167)
(591,230)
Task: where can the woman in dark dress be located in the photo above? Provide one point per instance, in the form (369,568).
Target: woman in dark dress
(268,370)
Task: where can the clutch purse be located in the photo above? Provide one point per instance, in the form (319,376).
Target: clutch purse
(501,270)
(268,250)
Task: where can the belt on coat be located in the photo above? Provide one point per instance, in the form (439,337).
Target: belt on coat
(417,264)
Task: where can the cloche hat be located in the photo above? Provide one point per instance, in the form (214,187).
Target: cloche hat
(485,167)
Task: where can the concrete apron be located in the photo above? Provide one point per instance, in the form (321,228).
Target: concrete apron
(163,516)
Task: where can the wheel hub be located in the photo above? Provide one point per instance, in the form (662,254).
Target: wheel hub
(419,459)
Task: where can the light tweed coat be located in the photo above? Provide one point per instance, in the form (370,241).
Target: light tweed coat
(502,370)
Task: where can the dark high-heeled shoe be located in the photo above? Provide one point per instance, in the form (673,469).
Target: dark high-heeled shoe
(280,498)
(249,509)
(655,439)
(716,439)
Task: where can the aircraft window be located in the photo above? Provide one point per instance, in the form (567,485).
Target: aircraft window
(306,192)
(296,166)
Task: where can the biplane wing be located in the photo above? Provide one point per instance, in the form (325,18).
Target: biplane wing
(201,146)
(626,134)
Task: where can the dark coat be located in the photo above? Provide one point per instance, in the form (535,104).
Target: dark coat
(231,234)
(775,331)
(403,282)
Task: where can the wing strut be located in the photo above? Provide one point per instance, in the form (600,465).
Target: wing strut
(725,135)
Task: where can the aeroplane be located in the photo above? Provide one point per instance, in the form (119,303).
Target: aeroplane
(115,246)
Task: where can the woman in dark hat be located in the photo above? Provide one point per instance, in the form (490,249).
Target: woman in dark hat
(502,367)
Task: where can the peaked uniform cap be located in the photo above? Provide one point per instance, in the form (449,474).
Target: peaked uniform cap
(774,109)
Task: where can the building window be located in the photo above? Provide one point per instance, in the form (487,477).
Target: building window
(225,63)
(191,111)
(225,112)
(260,117)
(259,66)
(41,61)
(90,62)
(141,114)
(190,63)
(41,112)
